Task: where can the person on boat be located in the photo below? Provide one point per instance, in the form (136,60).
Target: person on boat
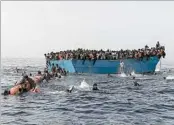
(157,44)
(95,87)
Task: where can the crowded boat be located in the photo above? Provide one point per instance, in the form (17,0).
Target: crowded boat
(87,54)
(29,83)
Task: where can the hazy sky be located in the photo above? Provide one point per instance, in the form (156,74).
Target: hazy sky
(30,29)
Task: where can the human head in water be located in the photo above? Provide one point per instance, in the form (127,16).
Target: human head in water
(136,83)
(6,92)
(95,86)
(39,72)
(26,76)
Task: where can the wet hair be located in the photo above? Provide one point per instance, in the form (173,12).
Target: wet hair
(39,72)
(136,84)
(26,76)
(164,77)
(6,92)
(59,76)
(56,75)
(134,77)
(95,86)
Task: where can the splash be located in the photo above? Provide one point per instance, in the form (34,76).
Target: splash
(122,75)
(157,70)
(134,74)
(170,77)
(158,67)
(84,85)
(57,92)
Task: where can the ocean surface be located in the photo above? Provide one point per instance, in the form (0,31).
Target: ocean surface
(118,101)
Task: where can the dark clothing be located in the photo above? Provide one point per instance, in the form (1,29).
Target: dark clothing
(32,83)
(95,89)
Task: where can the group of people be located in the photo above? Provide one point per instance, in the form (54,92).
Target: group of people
(57,71)
(86,54)
(31,83)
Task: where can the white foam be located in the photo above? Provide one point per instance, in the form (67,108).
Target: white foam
(57,92)
(157,70)
(158,67)
(84,86)
(122,75)
(170,77)
(134,74)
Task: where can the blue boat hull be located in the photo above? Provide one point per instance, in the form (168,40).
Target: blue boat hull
(107,66)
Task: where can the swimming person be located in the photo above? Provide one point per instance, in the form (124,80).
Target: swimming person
(70,90)
(47,76)
(53,69)
(24,85)
(136,83)
(95,87)
(38,78)
(17,70)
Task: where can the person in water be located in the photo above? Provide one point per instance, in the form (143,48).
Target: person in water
(30,81)
(26,84)
(6,92)
(95,87)
(136,83)
(47,76)
(70,90)
(53,69)
(17,70)
(38,78)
